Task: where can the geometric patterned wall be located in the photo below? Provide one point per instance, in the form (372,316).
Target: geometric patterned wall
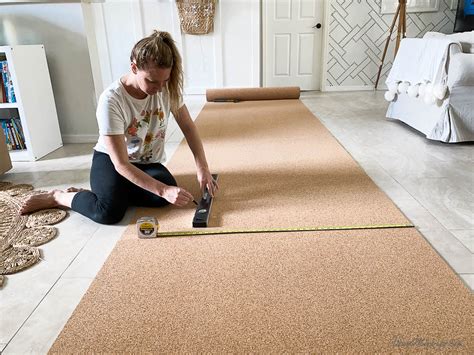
(357,35)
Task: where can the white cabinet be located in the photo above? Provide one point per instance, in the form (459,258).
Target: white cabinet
(34,101)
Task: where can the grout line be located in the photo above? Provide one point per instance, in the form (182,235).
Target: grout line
(460,241)
(444,259)
(421,204)
(47,293)
(452,235)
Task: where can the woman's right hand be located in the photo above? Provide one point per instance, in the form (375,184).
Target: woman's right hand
(177,196)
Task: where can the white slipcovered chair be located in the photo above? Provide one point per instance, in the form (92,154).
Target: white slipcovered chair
(431,86)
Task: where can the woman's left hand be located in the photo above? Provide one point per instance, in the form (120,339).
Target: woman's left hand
(206,181)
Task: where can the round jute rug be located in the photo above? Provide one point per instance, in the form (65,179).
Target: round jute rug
(21,234)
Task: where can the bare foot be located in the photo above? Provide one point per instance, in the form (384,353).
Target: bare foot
(39,202)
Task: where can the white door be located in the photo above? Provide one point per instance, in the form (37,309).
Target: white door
(293,33)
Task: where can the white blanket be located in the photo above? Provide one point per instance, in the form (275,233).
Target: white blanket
(421,60)
(419,68)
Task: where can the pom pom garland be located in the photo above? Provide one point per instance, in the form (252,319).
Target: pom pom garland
(429,89)
(413,90)
(390,96)
(439,91)
(425,91)
(429,99)
(393,87)
(403,87)
(422,89)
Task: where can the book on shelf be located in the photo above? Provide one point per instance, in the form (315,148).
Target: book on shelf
(7,82)
(11,130)
(15,138)
(3,93)
(19,132)
(7,136)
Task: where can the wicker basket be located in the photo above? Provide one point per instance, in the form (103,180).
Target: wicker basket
(196,16)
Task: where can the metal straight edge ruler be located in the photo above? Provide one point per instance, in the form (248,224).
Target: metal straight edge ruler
(279,230)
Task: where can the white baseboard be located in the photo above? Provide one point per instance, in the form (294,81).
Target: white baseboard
(80,138)
(195,91)
(382,87)
(202,90)
(349,88)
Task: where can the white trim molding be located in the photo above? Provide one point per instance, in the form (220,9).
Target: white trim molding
(218,49)
(324,64)
(350,88)
(256,65)
(94,23)
(80,138)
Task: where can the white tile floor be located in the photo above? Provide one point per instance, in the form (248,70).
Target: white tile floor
(431,182)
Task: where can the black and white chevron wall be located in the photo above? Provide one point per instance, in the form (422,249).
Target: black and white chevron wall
(357,35)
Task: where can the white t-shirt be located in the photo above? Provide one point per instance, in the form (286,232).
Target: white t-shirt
(142,121)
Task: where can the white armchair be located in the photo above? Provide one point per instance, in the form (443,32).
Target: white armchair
(450,116)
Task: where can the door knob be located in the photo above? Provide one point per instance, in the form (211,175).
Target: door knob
(318,25)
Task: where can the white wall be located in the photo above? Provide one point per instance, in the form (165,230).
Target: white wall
(88,46)
(227,57)
(60,28)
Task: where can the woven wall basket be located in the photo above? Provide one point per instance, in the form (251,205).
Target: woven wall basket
(196,16)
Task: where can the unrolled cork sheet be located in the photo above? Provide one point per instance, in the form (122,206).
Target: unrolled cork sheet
(320,292)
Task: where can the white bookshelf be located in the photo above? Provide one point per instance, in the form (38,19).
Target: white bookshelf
(8,105)
(35,104)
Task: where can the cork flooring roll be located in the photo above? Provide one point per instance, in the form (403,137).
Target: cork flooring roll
(278,167)
(375,291)
(252,94)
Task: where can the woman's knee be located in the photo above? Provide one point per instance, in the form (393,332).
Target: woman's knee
(167,178)
(173,182)
(161,173)
(107,215)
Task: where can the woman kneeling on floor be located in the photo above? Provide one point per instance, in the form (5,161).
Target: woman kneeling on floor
(133,114)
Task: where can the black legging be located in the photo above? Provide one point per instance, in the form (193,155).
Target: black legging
(111,193)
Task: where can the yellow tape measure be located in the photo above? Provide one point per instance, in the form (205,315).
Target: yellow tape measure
(278,230)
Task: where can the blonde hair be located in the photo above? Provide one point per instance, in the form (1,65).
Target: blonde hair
(159,49)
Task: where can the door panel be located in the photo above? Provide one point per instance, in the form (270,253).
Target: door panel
(292,43)
(282,54)
(305,53)
(282,9)
(307,9)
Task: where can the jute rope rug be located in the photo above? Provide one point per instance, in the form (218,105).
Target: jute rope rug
(21,235)
(351,291)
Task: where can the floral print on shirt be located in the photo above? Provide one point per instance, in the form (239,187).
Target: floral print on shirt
(145,133)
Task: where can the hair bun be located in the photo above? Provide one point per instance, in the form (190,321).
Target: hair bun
(161,34)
